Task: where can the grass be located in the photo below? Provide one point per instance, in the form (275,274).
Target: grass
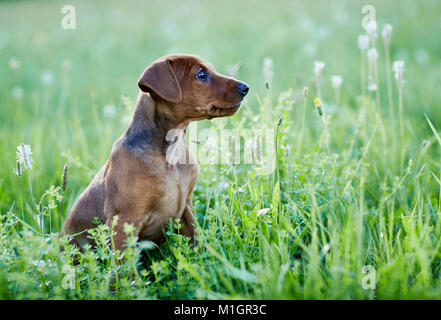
(360,187)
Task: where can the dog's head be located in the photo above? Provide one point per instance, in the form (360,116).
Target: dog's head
(191,88)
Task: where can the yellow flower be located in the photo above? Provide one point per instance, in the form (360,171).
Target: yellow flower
(318,105)
(317,102)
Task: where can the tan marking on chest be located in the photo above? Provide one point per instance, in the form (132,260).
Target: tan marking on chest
(179,181)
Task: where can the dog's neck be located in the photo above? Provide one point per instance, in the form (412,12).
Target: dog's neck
(150,126)
(165,120)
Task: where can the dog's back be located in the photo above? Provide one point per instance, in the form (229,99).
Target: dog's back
(89,205)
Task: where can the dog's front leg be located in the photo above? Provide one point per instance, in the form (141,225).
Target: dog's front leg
(130,211)
(188,223)
(119,236)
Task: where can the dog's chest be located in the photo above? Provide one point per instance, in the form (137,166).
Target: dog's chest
(178,182)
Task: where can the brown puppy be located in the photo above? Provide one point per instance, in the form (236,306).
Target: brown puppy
(139,183)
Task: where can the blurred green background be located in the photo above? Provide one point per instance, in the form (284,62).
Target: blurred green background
(65,98)
(114,41)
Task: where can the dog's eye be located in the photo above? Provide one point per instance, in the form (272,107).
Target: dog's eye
(202,75)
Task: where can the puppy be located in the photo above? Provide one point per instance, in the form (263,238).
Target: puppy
(146,180)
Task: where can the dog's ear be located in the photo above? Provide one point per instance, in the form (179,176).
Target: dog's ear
(159,78)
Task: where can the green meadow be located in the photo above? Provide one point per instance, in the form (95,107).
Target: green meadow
(351,209)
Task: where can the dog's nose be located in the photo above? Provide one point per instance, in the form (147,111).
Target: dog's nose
(243,89)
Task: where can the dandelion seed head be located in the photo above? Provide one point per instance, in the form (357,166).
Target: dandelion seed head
(372,54)
(14,64)
(268,69)
(336,81)
(47,78)
(371,84)
(109,111)
(24,156)
(387,33)
(371,29)
(363,42)
(398,68)
(318,67)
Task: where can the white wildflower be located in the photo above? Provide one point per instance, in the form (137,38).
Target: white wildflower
(109,111)
(371,84)
(336,81)
(24,156)
(371,29)
(261,212)
(387,34)
(398,67)
(268,70)
(363,42)
(318,67)
(372,55)
(14,64)
(47,78)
